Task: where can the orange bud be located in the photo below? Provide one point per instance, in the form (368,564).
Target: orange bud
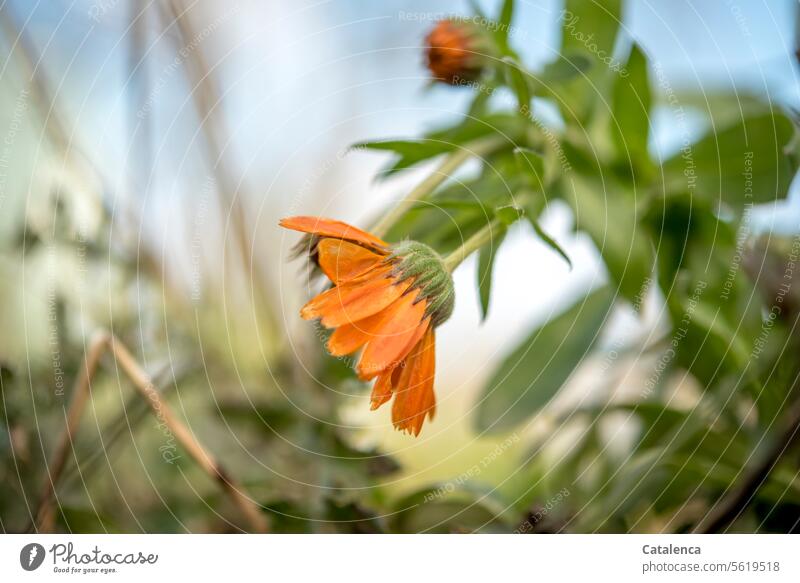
(453,51)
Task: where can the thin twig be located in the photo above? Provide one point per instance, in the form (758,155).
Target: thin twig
(731,506)
(45,517)
(186,438)
(133,412)
(144,385)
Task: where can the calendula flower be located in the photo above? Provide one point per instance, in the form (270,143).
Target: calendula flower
(386,301)
(454,51)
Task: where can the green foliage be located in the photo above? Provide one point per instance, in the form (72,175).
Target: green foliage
(713,167)
(678,229)
(450,508)
(584,18)
(550,242)
(531,375)
(504,21)
(607,211)
(588,28)
(631,101)
(486,258)
(517,78)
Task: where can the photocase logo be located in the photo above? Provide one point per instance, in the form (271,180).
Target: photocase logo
(31,556)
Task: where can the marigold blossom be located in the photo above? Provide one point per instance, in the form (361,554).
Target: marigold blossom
(386,300)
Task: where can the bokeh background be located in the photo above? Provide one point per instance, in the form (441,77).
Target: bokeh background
(148,151)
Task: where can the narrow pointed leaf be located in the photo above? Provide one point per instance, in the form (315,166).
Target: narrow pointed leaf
(631,100)
(518,80)
(508,215)
(504,21)
(486,259)
(550,242)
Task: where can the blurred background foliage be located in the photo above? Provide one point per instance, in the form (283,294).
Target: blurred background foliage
(640,372)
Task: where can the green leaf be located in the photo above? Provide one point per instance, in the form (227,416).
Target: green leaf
(504,21)
(409,152)
(711,346)
(450,507)
(743,163)
(509,214)
(631,100)
(607,212)
(486,258)
(478,105)
(591,25)
(529,377)
(531,165)
(557,78)
(565,68)
(549,241)
(506,14)
(518,78)
(657,421)
(721,107)
(443,140)
(402,147)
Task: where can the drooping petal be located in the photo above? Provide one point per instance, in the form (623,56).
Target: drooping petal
(401,330)
(355,299)
(413,393)
(332,228)
(348,338)
(341,260)
(382,391)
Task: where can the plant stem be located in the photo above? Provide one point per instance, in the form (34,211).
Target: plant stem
(492,229)
(478,240)
(475,149)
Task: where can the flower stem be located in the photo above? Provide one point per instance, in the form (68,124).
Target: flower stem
(492,230)
(446,168)
(478,240)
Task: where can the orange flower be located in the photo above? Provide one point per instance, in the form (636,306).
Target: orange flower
(386,301)
(454,51)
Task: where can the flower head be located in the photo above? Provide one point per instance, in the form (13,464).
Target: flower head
(386,301)
(454,51)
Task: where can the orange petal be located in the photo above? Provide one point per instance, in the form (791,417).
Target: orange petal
(348,338)
(382,391)
(355,299)
(414,398)
(331,228)
(400,329)
(341,261)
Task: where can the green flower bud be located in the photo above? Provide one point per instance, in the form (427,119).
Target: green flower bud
(417,261)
